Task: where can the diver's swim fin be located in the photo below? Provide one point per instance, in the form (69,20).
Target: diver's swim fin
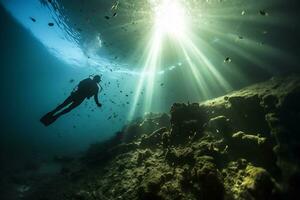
(48,119)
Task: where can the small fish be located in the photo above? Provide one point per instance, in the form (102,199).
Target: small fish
(263,13)
(32,19)
(227,60)
(23,188)
(107,17)
(243,12)
(50,24)
(112,101)
(115,5)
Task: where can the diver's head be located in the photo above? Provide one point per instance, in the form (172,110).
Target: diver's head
(97,78)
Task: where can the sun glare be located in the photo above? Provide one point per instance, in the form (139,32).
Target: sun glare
(170,17)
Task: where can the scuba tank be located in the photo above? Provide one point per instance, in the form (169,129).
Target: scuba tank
(84,83)
(92,76)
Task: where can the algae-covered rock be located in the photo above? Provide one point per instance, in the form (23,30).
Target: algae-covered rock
(181,113)
(245,110)
(203,180)
(253,147)
(270,102)
(247,140)
(220,125)
(244,181)
(242,146)
(180,156)
(150,123)
(258,184)
(150,189)
(153,139)
(143,155)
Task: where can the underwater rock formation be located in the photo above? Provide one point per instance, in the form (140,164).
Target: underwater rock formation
(244,145)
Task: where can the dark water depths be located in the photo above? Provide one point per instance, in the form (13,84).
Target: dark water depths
(228,45)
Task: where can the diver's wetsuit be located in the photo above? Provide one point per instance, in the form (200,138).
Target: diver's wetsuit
(75,99)
(85,89)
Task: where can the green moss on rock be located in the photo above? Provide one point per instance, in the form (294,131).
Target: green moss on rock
(242,146)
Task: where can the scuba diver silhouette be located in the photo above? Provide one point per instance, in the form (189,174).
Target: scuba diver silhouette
(85,89)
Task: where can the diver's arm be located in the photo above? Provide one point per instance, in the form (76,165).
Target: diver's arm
(97,100)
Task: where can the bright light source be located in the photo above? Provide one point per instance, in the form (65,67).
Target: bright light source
(170,17)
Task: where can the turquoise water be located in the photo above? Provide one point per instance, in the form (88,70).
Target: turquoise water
(146,65)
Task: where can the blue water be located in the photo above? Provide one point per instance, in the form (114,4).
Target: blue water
(33,82)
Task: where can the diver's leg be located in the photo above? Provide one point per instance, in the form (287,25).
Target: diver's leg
(64,104)
(48,117)
(69,108)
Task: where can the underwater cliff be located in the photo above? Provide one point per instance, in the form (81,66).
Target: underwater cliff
(244,145)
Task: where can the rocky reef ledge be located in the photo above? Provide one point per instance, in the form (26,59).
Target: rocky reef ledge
(244,145)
